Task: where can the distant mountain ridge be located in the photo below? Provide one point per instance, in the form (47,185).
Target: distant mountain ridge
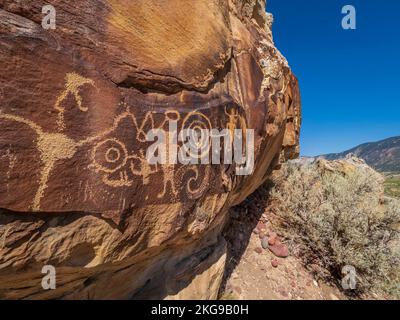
(382,155)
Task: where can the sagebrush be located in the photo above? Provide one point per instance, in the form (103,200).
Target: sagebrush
(339,218)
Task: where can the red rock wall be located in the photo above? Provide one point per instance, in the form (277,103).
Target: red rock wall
(76,102)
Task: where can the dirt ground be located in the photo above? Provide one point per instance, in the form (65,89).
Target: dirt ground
(254,272)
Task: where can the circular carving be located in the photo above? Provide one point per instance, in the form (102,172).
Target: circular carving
(197,121)
(110,155)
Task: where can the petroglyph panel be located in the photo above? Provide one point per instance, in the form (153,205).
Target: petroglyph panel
(114,173)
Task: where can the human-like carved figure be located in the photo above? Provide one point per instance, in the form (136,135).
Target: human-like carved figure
(168,169)
(144,168)
(52,147)
(235,119)
(73,83)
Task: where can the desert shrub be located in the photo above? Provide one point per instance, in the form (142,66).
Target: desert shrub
(339,217)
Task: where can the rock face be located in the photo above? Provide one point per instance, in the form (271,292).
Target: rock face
(76,189)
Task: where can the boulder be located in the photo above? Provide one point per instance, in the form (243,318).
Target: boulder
(77,192)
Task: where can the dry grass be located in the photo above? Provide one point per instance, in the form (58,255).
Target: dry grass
(340,218)
(392,186)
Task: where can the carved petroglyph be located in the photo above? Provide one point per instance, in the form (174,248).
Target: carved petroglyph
(193,191)
(142,168)
(52,147)
(169,179)
(168,170)
(12,159)
(111,158)
(73,83)
(116,162)
(235,120)
(197,121)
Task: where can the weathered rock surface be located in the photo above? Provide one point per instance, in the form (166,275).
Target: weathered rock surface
(76,102)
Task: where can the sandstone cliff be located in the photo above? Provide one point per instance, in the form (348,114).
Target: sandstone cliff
(76,190)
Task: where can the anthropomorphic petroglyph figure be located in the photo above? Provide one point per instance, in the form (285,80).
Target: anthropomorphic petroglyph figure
(52,148)
(73,83)
(235,121)
(57,146)
(169,126)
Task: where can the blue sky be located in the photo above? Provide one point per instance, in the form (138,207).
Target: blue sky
(349,79)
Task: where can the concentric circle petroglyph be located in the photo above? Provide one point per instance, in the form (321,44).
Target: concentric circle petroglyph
(109,156)
(197,122)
